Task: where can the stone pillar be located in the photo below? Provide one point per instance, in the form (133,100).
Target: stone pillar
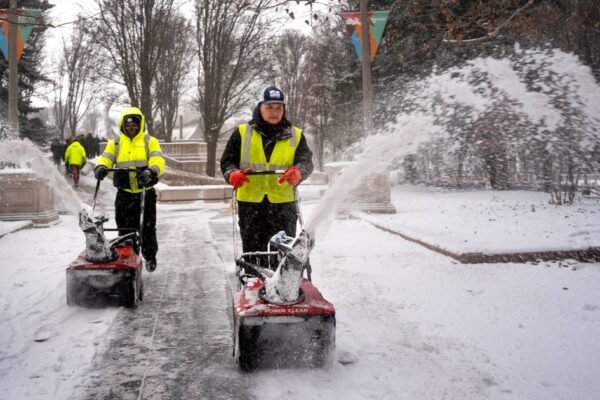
(373,194)
(25,196)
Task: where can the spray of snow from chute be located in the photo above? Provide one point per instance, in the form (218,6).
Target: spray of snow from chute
(378,150)
(23,154)
(559,79)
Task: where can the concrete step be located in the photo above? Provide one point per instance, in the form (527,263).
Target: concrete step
(196,192)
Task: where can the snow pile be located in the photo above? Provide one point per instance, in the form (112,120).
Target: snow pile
(548,91)
(43,343)
(24,154)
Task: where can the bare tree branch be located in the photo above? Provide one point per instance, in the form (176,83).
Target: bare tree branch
(131,33)
(230,37)
(492,33)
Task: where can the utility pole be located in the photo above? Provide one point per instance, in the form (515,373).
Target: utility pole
(366,69)
(13,71)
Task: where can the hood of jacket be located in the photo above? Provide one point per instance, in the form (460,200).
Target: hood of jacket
(76,144)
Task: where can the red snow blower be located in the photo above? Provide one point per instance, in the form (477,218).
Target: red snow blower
(281,320)
(107,272)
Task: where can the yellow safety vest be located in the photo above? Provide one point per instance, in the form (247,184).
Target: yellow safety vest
(141,151)
(253,156)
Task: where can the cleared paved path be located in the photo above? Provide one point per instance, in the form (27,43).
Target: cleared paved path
(177,344)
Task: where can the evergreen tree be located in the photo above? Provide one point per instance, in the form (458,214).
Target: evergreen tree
(30,75)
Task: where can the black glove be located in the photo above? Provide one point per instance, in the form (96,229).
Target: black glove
(146,177)
(100,172)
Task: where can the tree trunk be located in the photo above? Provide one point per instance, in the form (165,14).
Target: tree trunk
(211,152)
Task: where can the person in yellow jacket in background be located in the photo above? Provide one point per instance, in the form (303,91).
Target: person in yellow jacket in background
(75,158)
(134,150)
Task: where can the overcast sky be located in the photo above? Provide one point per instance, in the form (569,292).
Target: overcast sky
(65,12)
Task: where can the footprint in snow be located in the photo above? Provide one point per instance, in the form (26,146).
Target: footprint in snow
(345,357)
(44,335)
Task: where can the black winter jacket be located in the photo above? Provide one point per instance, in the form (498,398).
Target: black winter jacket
(230,159)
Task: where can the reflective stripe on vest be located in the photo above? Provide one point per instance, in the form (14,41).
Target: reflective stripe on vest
(253,156)
(132,164)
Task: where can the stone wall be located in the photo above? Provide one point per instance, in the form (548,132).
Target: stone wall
(373,194)
(25,196)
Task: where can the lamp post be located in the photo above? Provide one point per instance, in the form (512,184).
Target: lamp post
(13,71)
(366,69)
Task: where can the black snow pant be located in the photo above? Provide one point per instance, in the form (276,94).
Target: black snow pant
(260,221)
(127,210)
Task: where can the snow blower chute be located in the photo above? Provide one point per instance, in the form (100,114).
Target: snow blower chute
(107,272)
(280,318)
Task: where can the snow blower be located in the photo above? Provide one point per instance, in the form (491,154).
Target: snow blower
(107,272)
(280,318)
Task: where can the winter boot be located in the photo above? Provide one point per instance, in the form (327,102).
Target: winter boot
(151,264)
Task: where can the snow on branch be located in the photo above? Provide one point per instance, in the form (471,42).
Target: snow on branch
(493,33)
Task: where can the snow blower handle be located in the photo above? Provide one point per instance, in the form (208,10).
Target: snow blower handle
(276,172)
(136,170)
(95,197)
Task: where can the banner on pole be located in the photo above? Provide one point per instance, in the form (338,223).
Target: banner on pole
(27,18)
(377,21)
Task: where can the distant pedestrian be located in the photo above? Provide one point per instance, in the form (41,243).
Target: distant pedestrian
(76,157)
(96,146)
(88,144)
(66,145)
(57,150)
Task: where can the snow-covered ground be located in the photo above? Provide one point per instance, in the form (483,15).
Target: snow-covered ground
(498,222)
(411,323)
(423,326)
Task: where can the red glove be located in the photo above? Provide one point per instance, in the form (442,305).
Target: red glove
(293,175)
(237,177)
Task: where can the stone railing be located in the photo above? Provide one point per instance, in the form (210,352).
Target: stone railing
(373,194)
(195,192)
(189,156)
(195,166)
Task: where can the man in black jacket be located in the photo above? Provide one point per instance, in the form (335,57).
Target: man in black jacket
(266,203)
